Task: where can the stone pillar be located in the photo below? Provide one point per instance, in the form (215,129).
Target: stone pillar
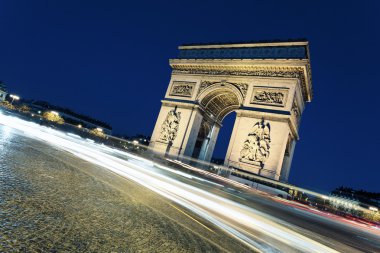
(287,161)
(258,145)
(185,124)
(209,144)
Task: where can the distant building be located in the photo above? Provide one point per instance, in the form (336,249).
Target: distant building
(3,95)
(348,199)
(3,91)
(70,116)
(343,203)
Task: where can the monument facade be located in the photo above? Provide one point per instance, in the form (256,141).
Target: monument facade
(266,84)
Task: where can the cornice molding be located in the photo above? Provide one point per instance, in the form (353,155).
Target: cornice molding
(300,71)
(240,45)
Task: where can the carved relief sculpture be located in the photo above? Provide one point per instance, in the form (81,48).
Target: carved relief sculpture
(182,89)
(269,96)
(296,111)
(256,147)
(265,72)
(169,128)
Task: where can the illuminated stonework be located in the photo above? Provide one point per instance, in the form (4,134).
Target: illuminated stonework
(241,86)
(182,89)
(169,127)
(268,96)
(256,147)
(270,81)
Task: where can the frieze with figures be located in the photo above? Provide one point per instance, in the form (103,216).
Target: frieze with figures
(182,89)
(295,73)
(269,96)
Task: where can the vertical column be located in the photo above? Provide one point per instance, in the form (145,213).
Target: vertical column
(192,131)
(232,140)
(173,125)
(285,170)
(212,142)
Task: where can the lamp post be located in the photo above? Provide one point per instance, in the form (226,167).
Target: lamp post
(14,97)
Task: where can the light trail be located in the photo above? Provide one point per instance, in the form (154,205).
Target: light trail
(254,228)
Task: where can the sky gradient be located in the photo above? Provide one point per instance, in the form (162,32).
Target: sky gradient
(109,60)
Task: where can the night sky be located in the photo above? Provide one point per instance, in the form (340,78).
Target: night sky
(109,60)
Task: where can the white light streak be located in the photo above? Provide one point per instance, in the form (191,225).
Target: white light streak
(236,219)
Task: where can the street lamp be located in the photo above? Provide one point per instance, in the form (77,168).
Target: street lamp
(14,97)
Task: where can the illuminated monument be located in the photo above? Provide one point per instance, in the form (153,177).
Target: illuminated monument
(266,84)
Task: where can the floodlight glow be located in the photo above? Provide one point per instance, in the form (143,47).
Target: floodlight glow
(15,97)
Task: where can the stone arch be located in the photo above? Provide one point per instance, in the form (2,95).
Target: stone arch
(216,100)
(219,99)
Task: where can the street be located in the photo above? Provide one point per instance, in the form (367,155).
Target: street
(60,192)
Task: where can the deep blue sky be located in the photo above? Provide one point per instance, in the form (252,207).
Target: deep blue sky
(109,59)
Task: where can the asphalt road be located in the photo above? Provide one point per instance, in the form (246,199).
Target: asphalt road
(51,201)
(335,232)
(59,192)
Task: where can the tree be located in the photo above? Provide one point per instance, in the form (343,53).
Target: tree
(8,105)
(98,132)
(24,109)
(53,116)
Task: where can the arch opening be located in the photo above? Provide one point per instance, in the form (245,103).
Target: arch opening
(219,102)
(223,141)
(215,105)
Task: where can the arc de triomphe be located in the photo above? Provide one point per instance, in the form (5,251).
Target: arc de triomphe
(266,84)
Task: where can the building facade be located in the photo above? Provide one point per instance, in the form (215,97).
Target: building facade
(3,95)
(266,84)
